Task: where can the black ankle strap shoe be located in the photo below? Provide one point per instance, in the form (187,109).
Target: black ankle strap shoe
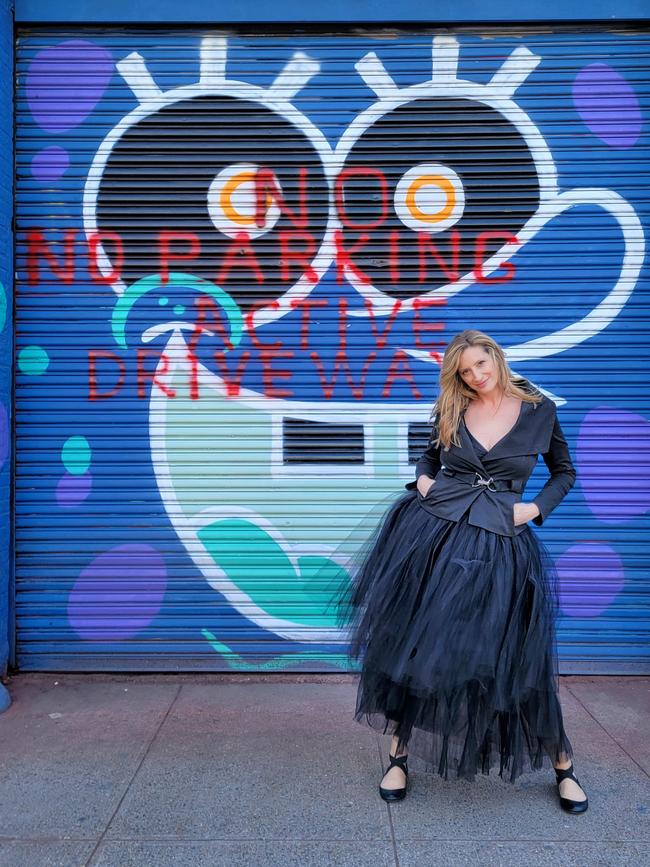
(566,803)
(395,794)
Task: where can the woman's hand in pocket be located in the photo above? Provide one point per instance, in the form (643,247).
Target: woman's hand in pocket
(524,512)
(425,483)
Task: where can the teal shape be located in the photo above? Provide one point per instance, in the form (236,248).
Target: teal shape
(258,566)
(3,306)
(33,360)
(154,282)
(279,663)
(76,454)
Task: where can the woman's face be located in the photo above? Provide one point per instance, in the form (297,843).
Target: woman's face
(478,370)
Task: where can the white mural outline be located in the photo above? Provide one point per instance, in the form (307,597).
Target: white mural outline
(187,528)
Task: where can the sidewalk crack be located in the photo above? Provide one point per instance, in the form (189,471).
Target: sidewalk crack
(387,806)
(154,736)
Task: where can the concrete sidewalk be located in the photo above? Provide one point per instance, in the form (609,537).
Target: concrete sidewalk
(203,770)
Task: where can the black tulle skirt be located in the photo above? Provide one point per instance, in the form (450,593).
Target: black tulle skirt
(454,628)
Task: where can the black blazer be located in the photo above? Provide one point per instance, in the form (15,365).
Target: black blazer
(490,486)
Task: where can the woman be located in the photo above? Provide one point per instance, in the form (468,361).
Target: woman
(452,607)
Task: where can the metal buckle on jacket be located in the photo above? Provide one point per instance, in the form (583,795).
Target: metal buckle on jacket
(479,480)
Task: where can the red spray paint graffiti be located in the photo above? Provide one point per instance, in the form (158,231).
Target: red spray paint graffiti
(296,250)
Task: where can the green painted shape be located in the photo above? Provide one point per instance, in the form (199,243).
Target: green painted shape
(321,579)
(76,454)
(280,663)
(153,282)
(33,360)
(3,306)
(267,575)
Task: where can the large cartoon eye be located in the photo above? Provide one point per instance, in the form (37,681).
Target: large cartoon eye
(440,174)
(190,162)
(449,164)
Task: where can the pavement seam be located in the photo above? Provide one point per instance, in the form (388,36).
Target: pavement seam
(379,743)
(102,836)
(607,732)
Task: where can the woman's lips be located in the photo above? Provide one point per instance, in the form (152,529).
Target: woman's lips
(481,384)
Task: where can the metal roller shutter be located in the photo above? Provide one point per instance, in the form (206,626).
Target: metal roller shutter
(239,257)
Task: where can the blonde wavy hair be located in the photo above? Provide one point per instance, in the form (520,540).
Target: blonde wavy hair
(455,394)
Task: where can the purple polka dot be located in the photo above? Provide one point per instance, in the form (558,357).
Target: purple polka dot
(118,594)
(72,490)
(50,163)
(607,105)
(591,577)
(615,481)
(65,83)
(4,435)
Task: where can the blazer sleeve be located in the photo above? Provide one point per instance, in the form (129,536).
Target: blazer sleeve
(430,462)
(563,474)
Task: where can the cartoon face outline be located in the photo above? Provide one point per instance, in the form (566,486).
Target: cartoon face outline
(497,95)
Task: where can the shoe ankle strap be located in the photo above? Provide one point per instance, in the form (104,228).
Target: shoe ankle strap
(399,761)
(566,774)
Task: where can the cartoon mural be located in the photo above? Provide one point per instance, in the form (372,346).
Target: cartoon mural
(252,272)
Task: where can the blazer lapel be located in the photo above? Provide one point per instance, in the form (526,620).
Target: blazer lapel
(531,433)
(468,452)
